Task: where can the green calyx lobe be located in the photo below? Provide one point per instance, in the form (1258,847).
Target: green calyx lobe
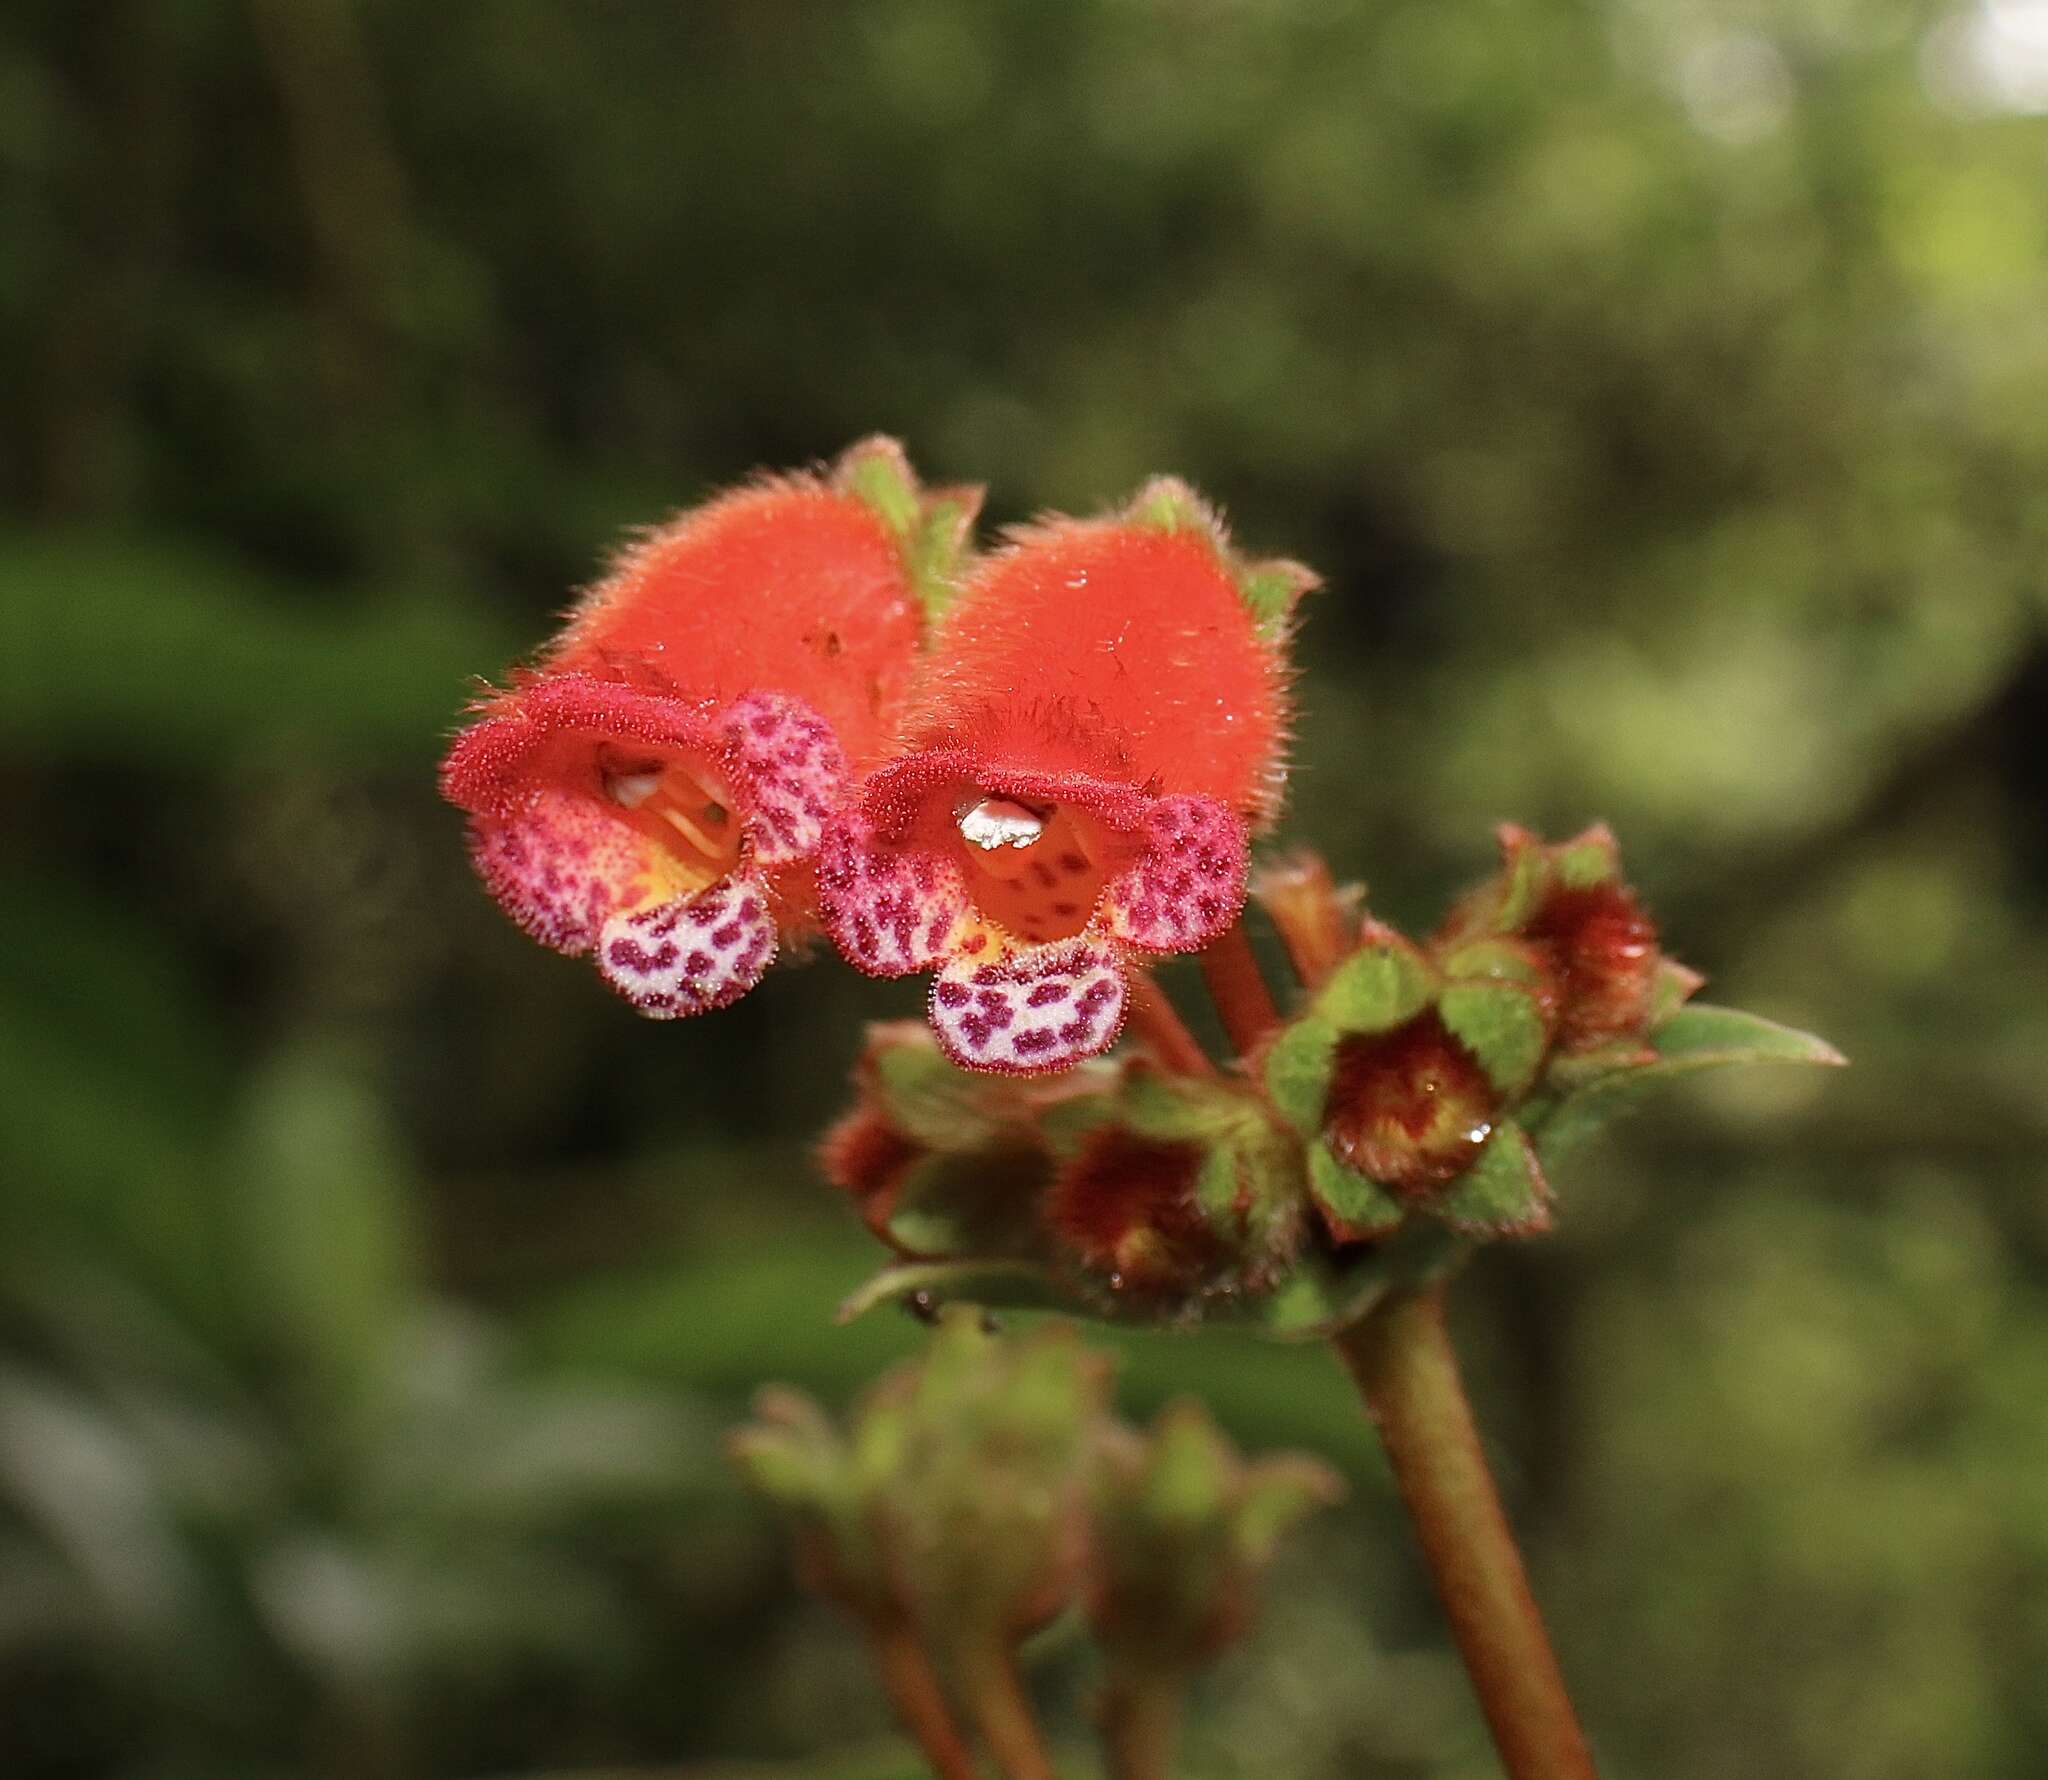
(1270,589)
(1384,983)
(932,527)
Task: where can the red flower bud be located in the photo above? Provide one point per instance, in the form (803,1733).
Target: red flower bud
(1126,1207)
(1410,1108)
(1603,948)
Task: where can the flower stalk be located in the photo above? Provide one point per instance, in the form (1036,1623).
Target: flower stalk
(1239,989)
(1156,1020)
(913,1689)
(1002,1714)
(1401,1356)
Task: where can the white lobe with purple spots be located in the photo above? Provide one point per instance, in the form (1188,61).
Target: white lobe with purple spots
(1031,1011)
(692,954)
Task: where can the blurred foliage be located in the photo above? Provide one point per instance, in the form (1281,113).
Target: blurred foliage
(1658,384)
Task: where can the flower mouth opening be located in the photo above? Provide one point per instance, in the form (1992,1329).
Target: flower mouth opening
(679,805)
(1035,870)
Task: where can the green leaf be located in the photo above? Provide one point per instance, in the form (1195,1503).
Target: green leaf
(929,1216)
(1587,859)
(937,547)
(931,525)
(1524,878)
(1192,1469)
(1324,1294)
(981,1203)
(1168,504)
(877,474)
(1279,1491)
(1501,1024)
(1497,959)
(1184,1109)
(1217,1186)
(999,1285)
(1503,1193)
(1699,1036)
(1703,1036)
(1271,591)
(927,1098)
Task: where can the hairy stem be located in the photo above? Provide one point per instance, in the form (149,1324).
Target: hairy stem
(1239,989)
(920,1703)
(1401,1356)
(1140,1725)
(1317,922)
(1154,1019)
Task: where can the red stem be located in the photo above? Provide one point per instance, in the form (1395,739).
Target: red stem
(1164,1030)
(1002,1713)
(1402,1358)
(913,1689)
(1239,989)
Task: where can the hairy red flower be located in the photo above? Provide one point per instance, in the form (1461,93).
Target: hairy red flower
(655,788)
(1097,732)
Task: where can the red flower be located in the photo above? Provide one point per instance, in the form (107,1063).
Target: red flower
(1098,729)
(655,788)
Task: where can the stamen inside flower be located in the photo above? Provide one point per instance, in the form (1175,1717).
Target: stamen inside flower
(1033,871)
(678,804)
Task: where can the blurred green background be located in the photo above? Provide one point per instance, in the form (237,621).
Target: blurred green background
(1662,386)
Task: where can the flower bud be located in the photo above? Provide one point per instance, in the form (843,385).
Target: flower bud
(1183,1530)
(1399,1078)
(1173,1188)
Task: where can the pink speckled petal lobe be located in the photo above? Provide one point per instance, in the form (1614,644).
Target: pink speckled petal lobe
(1189,885)
(889,910)
(1040,1009)
(692,954)
(559,867)
(790,765)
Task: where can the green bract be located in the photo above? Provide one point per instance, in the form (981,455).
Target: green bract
(932,526)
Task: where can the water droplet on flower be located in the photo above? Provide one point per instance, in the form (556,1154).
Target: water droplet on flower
(998,822)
